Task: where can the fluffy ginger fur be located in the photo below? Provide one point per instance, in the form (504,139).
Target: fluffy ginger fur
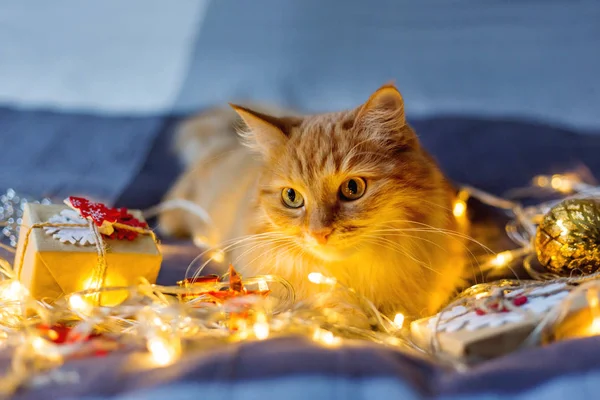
(398,244)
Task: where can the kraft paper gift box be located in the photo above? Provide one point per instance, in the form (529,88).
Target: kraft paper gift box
(51,269)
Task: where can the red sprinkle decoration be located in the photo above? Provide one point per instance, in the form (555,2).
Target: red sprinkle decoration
(127,219)
(105,217)
(61,334)
(517,301)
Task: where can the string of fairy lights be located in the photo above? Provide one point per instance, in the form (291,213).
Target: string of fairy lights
(166,321)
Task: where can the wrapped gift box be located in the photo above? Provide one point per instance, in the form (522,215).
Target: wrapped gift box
(51,263)
(467,334)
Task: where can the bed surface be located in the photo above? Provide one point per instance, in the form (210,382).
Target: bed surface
(292,367)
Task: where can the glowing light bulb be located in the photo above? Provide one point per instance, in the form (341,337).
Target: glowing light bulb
(263,286)
(399,320)
(502,259)
(541,181)
(14,291)
(320,279)
(45,349)
(163,351)
(217,256)
(39,344)
(561,184)
(201,241)
(594,304)
(595,326)
(79,305)
(261,327)
(326,337)
(460,207)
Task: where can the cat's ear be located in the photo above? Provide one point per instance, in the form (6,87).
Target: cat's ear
(384,109)
(264,133)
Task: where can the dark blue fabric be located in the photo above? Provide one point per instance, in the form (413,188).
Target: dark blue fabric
(49,153)
(494,155)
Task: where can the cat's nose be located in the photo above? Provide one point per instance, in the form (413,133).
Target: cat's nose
(321,235)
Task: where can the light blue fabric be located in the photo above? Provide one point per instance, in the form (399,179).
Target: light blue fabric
(115,56)
(535,59)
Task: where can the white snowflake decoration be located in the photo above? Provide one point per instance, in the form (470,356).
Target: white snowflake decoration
(83,236)
(539,301)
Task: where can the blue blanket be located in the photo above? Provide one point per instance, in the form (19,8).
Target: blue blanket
(492,154)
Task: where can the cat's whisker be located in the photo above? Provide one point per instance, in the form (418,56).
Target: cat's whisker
(259,246)
(199,270)
(422,239)
(235,241)
(452,234)
(444,232)
(422,200)
(271,253)
(282,254)
(429,228)
(390,244)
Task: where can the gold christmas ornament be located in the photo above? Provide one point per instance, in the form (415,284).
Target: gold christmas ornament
(568,238)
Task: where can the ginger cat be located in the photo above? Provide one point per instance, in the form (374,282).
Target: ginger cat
(350,194)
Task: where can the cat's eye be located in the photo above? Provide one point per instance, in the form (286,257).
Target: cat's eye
(352,189)
(292,198)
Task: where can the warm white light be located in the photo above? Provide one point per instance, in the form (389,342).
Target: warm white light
(595,326)
(46,349)
(261,330)
(13,291)
(78,304)
(241,328)
(39,344)
(164,352)
(399,320)
(502,259)
(460,207)
(92,283)
(592,298)
(319,279)
(594,305)
(217,256)
(201,241)
(326,337)
(561,184)
(263,286)
(541,181)
(261,327)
